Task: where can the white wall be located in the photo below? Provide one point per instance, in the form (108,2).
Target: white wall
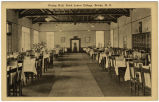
(69,30)
(130,25)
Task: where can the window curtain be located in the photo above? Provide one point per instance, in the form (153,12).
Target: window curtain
(25,39)
(50,40)
(36,37)
(112,37)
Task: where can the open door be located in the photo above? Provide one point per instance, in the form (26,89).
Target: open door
(75,44)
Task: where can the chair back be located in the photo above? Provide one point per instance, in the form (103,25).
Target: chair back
(132,70)
(138,72)
(146,75)
(12,76)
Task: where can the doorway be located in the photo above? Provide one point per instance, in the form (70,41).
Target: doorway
(75,45)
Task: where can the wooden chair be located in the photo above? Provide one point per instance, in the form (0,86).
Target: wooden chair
(98,56)
(51,59)
(101,63)
(45,64)
(146,90)
(19,82)
(39,68)
(95,55)
(139,72)
(92,56)
(132,77)
(11,82)
(121,72)
(29,75)
(56,55)
(111,68)
(136,79)
(14,82)
(104,62)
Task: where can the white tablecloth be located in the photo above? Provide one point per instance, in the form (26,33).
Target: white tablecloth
(102,55)
(15,55)
(37,55)
(119,63)
(97,57)
(147,77)
(91,52)
(56,51)
(106,63)
(65,49)
(29,65)
(127,73)
(122,63)
(137,54)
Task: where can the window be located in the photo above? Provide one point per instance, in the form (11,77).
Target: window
(99,39)
(36,37)
(9,37)
(9,28)
(25,39)
(50,40)
(112,37)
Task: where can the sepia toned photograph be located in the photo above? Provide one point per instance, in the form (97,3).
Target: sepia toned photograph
(102,51)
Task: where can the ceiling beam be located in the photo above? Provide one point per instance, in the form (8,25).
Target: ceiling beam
(89,21)
(23,11)
(112,16)
(72,22)
(72,14)
(52,14)
(35,18)
(82,18)
(74,17)
(42,11)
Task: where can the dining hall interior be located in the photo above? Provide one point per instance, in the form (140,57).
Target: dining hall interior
(99,52)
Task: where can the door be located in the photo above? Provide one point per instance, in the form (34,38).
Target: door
(75,46)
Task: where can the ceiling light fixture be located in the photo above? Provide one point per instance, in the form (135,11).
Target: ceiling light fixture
(48,19)
(92,26)
(100,17)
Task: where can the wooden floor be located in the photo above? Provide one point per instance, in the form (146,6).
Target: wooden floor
(76,75)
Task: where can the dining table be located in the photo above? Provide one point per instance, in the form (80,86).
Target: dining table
(122,63)
(119,62)
(29,66)
(101,56)
(91,52)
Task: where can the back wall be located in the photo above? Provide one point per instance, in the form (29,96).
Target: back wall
(69,30)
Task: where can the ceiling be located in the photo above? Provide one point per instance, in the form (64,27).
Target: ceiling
(73,15)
